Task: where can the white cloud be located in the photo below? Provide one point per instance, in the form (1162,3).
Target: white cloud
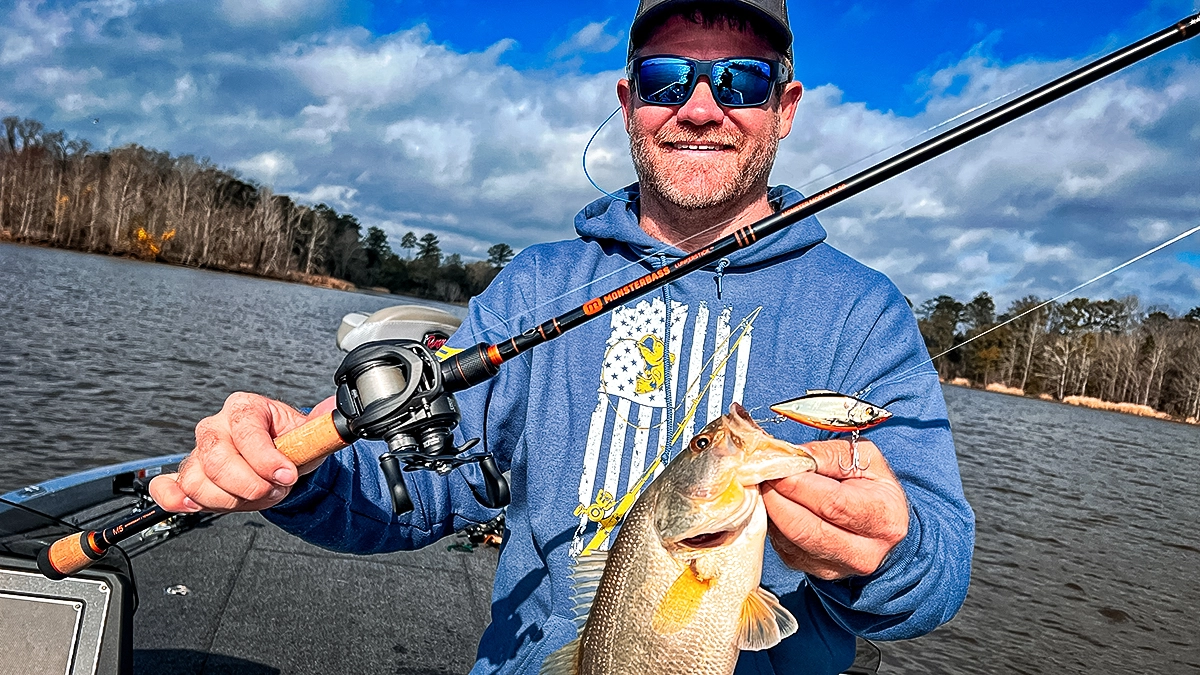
(322,121)
(250,12)
(183,89)
(1033,253)
(441,150)
(408,134)
(393,70)
(267,167)
(592,38)
(340,197)
(30,30)
(76,104)
(16,48)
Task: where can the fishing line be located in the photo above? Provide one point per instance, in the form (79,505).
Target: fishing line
(585,149)
(916,136)
(47,516)
(716,227)
(741,330)
(1127,263)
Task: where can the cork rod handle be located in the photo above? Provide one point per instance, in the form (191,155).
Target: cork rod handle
(315,439)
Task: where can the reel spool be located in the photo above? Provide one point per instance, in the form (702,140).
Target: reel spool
(391,387)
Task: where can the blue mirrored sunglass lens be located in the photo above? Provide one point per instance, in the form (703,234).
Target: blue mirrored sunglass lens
(665,81)
(742,81)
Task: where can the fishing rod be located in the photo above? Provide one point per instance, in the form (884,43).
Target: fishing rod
(495,355)
(399,392)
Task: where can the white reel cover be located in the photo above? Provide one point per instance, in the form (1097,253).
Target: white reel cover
(428,325)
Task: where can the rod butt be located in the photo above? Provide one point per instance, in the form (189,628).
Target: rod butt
(67,556)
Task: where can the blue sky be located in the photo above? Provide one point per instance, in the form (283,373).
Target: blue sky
(467,119)
(876,51)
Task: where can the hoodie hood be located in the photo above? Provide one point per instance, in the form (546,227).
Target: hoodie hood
(617,220)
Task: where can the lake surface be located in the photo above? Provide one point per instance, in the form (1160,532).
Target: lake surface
(104,359)
(1087,550)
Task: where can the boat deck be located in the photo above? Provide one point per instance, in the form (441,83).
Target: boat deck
(262,602)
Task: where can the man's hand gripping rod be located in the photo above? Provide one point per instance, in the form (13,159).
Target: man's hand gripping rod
(382,395)
(390,390)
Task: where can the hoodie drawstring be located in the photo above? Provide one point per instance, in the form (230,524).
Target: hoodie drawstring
(724,262)
(670,414)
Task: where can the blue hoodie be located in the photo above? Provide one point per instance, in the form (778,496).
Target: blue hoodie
(577,420)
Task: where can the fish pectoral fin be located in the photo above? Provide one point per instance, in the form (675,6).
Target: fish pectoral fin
(679,605)
(764,621)
(564,661)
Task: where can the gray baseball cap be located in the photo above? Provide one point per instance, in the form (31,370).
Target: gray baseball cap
(772,13)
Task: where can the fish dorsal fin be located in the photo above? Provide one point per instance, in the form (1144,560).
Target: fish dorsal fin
(564,661)
(679,605)
(586,571)
(764,621)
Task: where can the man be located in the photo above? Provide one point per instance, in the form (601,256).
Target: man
(881,549)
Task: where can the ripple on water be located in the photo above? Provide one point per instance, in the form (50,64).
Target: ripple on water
(1086,542)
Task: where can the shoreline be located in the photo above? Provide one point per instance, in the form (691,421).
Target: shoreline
(311,280)
(1091,403)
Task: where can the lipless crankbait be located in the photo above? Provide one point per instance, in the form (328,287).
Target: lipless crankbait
(833,411)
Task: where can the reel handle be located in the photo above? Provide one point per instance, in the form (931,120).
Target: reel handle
(495,485)
(389,464)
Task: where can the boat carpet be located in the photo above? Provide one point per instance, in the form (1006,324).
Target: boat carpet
(262,602)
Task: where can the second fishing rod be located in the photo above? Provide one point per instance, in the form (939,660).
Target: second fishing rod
(399,392)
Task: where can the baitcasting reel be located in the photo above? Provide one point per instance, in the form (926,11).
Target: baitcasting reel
(394,390)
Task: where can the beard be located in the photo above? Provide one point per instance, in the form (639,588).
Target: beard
(692,183)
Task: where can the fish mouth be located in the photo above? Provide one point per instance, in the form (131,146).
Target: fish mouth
(719,532)
(708,540)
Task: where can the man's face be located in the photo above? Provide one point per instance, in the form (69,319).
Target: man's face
(699,155)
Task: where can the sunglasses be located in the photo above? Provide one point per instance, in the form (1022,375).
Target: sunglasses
(738,82)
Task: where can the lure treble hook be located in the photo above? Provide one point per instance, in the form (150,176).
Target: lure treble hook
(855,457)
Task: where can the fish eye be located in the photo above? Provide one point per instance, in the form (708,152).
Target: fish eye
(701,442)
(870,411)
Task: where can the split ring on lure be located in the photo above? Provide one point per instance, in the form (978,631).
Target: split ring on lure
(833,411)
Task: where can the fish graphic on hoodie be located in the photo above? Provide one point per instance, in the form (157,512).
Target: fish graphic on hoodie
(579,420)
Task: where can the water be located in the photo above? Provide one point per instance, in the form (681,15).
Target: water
(104,360)
(1086,543)
(1087,546)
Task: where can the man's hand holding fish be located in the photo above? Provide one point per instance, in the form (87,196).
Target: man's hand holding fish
(837,521)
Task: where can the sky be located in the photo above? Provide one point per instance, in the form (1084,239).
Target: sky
(468,119)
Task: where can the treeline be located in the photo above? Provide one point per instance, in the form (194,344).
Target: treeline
(141,202)
(1111,350)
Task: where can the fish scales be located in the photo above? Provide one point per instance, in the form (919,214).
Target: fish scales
(680,588)
(620,635)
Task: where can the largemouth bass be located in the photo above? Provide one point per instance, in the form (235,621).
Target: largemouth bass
(679,590)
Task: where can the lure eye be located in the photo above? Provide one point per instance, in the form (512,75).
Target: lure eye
(870,411)
(701,442)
